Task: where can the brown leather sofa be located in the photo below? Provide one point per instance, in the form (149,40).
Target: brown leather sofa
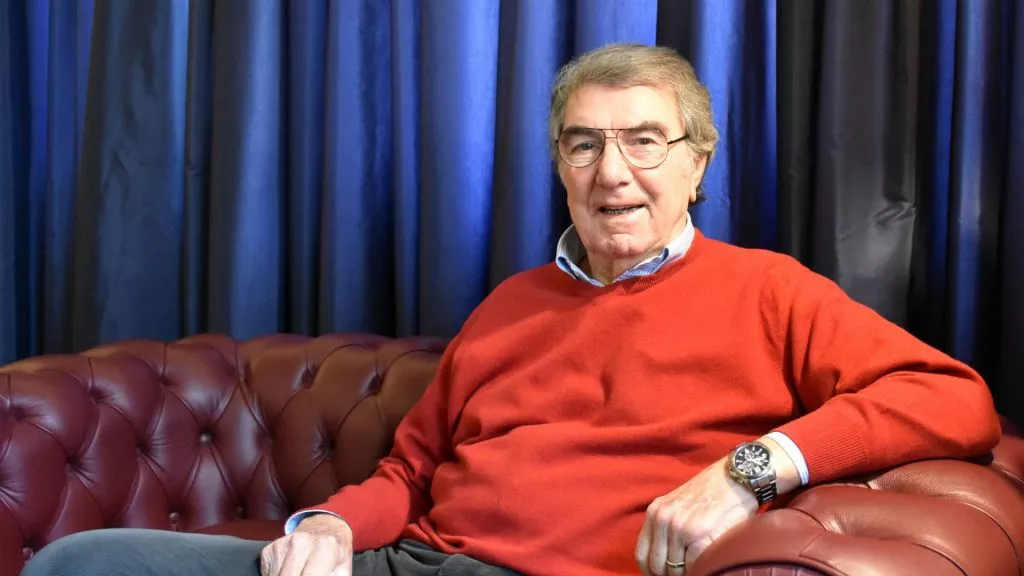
(212,435)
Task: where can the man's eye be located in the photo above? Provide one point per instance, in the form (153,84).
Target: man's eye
(584,147)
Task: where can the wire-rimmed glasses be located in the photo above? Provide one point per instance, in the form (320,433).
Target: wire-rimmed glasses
(643,146)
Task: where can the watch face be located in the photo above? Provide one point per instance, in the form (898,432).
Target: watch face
(751,460)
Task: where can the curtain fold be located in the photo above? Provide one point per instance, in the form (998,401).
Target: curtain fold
(127,205)
(196,178)
(977,169)
(256,166)
(725,42)
(1006,383)
(44,69)
(307,58)
(245,221)
(865,187)
(799,62)
(927,305)
(529,209)
(69,59)
(405,73)
(605,21)
(356,242)
(456,157)
(15,304)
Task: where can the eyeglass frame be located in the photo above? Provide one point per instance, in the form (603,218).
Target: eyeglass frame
(641,126)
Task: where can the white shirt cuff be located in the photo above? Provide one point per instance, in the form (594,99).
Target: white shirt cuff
(794,454)
(293,521)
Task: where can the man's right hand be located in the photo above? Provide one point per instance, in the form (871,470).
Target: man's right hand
(320,545)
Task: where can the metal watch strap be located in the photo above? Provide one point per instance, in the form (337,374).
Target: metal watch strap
(766,493)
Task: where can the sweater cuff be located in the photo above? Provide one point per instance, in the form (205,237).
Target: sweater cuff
(295,519)
(831,446)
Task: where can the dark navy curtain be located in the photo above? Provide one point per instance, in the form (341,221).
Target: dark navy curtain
(251,166)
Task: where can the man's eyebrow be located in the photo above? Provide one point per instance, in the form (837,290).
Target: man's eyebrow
(645,125)
(578,128)
(649,124)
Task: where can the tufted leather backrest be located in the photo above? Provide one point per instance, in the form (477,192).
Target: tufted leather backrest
(194,433)
(207,432)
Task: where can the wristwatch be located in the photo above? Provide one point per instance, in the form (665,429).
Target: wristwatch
(750,464)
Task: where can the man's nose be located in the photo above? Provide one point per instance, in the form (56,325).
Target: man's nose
(612,168)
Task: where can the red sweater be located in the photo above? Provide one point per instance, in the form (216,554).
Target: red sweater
(561,410)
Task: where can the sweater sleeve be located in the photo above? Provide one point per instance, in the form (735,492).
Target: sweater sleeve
(398,493)
(875,396)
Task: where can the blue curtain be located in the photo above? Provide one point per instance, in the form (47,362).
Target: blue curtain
(252,166)
(44,62)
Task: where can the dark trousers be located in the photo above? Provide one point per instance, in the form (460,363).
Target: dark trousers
(124,552)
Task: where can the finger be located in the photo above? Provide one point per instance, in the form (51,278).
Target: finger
(662,521)
(675,564)
(694,550)
(275,554)
(266,560)
(295,557)
(345,567)
(323,559)
(643,545)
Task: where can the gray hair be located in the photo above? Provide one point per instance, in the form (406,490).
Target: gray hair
(627,65)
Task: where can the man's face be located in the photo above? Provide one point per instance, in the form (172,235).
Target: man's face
(624,213)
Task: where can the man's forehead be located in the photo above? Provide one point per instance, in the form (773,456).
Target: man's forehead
(598,106)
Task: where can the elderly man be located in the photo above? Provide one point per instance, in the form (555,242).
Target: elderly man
(625,405)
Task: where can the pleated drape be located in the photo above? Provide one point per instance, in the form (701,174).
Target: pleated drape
(307,166)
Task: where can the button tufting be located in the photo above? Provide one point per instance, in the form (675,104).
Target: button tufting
(174,517)
(27,552)
(205,437)
(327,447)
(240,512)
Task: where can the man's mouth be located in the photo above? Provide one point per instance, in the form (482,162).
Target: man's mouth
(619,210)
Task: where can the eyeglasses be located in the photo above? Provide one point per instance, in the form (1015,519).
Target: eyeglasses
(643,147)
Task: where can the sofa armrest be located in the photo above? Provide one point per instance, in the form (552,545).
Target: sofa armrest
(933,517)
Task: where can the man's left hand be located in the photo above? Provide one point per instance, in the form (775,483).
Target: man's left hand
(683,523)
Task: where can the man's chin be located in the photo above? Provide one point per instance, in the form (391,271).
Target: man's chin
(623,248)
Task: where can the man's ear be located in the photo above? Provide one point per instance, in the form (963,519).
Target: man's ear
(697,177)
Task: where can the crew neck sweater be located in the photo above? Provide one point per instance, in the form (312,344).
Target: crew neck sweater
(562,409)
